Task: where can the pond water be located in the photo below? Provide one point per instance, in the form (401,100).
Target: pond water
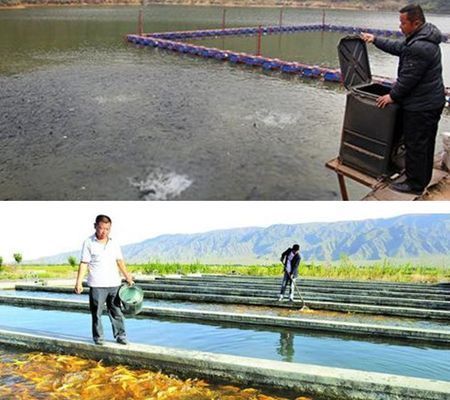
(87,116)
(276,344)
(248,309)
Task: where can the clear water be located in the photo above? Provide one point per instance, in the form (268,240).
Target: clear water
(267,311)
(419,361)
(86,116)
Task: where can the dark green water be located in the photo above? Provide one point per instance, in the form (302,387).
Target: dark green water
(86,116)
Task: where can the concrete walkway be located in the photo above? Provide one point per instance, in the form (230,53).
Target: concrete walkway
(332,383)
(411,312)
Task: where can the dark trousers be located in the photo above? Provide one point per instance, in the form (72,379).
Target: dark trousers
(420,129)
(98,296)
(287,281)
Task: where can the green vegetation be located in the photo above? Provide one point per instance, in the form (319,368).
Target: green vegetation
(13,272)
(72,261)
(345,270)
(1,264)
(17,257)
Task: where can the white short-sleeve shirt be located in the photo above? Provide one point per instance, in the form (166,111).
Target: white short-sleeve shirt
(102,262)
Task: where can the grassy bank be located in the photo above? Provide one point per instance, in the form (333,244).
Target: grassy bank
(346,270)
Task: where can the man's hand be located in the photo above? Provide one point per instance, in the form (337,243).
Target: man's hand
(78,288)
(367,37)
(383,101)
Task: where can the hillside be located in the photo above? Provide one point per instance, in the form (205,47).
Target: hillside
(404,237)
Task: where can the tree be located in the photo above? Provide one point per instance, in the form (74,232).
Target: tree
(1,263)
(72,261)
(17,257)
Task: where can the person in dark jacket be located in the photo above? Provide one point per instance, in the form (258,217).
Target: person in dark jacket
(291,260)
(419,90)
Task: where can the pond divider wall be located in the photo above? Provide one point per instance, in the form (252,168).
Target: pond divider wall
(344,384)
(434,336)
(375,309)
(175,41)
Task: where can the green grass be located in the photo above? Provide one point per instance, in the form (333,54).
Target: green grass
(12,272)
(345,270)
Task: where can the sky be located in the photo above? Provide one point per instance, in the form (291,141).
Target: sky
(37,229)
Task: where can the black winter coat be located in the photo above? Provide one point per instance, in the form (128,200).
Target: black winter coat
(419,84)
(294,262)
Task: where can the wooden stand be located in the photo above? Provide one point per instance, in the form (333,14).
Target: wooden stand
(343,171)
(380,187)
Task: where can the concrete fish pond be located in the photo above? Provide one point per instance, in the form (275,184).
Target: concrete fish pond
(320,354)
(35,375)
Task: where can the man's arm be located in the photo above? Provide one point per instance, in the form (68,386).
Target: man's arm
(81,272)
(390,46)
(414,67)
(284,255)
(125,273)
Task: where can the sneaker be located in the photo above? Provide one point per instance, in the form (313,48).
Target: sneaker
(280,298)
(99,342)
(122,340)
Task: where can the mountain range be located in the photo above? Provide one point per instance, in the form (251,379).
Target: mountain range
(404,237)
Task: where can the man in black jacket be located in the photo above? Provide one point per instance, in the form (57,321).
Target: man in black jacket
(419,90)
(291,260)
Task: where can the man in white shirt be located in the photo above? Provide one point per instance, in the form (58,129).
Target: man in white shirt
(102,258)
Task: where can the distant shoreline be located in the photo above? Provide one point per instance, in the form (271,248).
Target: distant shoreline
(217,3)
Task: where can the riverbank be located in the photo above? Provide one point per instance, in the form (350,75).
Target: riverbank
(384,5)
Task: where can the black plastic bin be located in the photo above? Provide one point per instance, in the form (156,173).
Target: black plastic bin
(370,140)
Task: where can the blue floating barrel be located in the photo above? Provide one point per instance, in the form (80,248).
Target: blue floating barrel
(177,46)
(252,60)
(267,65)
(193,50)
(203,52)
(291,68)
(307,71)
(317,72)
(234,58)
(332,76)
(271,65)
